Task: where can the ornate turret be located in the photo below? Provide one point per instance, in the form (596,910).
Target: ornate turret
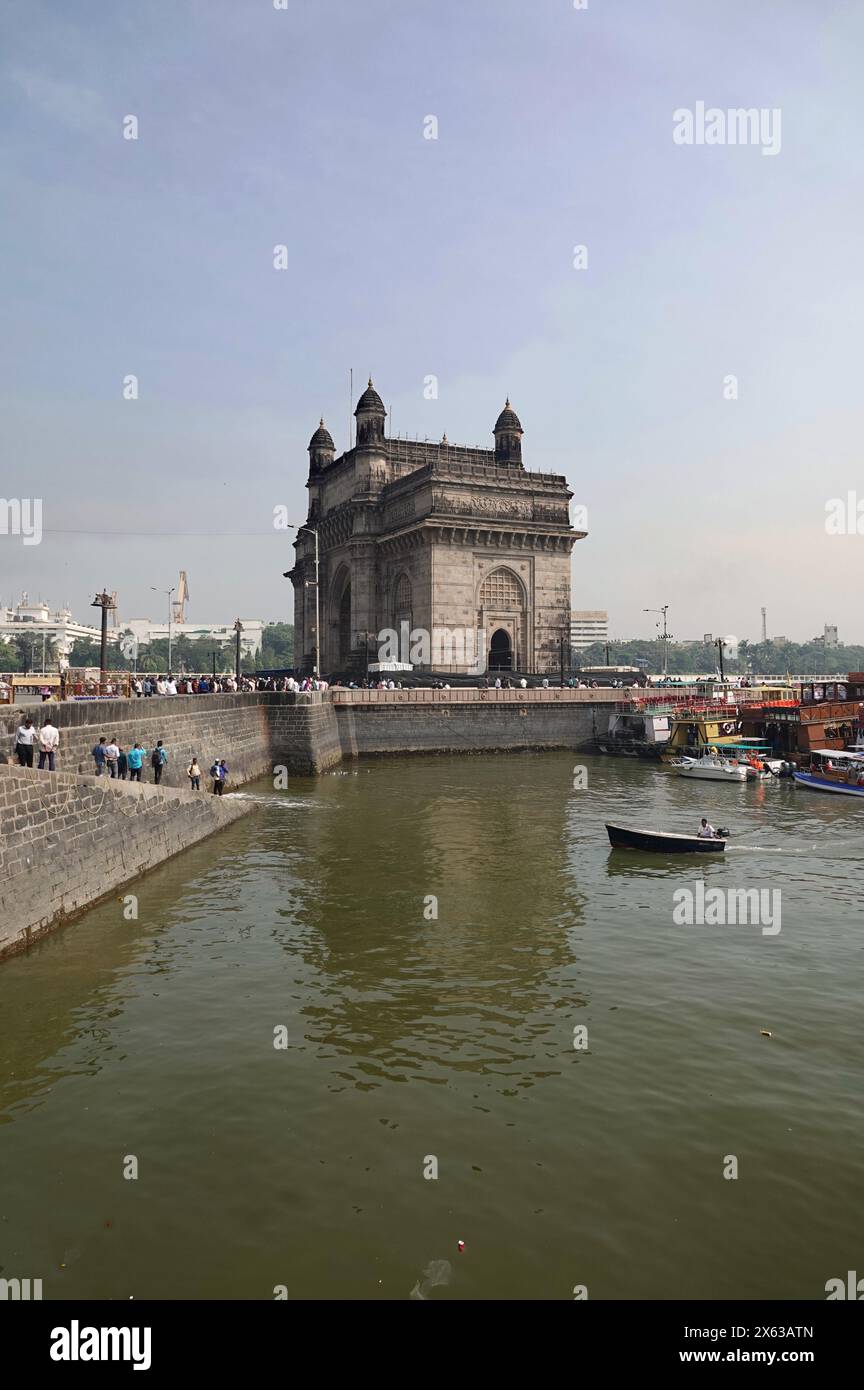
(322,450)
(508,437)
(370,416)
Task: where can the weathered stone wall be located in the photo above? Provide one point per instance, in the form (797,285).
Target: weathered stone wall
(66,841)
(233,727)
(466,727)
(305,736)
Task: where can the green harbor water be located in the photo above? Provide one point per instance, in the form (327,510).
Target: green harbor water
(412,1037)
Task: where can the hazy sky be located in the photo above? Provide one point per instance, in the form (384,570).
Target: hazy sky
(454,257)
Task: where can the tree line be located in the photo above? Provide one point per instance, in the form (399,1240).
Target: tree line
(700,658)
(24,653)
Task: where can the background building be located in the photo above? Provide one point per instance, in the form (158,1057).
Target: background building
(250,638)
(437,536)
(588,625)
(38,625)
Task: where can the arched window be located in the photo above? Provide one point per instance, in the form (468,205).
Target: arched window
(502,590)
(403,594)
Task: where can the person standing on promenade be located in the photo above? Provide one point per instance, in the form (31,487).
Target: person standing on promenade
(122,764)
(135,757)
(218,777)
(193,772)
(112,753)
(24,740)
(49,739)
(99,756)
(158,759)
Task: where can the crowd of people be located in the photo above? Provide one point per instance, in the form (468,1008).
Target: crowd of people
(110,758)
(148,686)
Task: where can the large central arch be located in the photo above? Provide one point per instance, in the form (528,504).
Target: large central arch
(502,612)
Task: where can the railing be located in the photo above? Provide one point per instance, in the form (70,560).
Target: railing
(469,695)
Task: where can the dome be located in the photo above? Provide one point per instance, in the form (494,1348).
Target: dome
(322,438)
(370,401)
(508,419)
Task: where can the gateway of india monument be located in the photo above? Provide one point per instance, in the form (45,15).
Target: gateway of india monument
(438,536)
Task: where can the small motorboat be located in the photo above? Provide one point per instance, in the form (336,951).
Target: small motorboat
(711,767)
(664,841)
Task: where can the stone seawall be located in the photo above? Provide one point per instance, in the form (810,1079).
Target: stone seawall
(233,727)
(67,841)
(515,726)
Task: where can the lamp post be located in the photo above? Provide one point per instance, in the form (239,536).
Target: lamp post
(720,644)
(169,592)
(313,531)
(665,638)
(106,603)
(238,628)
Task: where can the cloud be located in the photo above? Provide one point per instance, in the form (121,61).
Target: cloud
(80,108)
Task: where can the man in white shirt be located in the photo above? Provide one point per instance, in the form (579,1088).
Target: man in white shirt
(49,739)
(24,740)
(706,831)
(170,686)
(112,753)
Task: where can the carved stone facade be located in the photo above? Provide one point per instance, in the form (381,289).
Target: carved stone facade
(436,536)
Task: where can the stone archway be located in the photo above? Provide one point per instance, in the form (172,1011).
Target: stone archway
(500,651)
(344,630)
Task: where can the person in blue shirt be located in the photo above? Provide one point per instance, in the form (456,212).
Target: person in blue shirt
(158,759)
(99,756)
(135,757)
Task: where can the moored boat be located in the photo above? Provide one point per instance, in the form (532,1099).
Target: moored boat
(662,841)
(833,771)
(711,768)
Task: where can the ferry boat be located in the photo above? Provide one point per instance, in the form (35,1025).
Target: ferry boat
(832,771)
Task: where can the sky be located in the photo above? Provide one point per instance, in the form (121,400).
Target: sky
(409,257)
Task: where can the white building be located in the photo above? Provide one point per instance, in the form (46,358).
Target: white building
(830,636)
(36,621)
(250,638)
(587,626)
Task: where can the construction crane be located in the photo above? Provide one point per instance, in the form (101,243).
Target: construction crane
(182,599)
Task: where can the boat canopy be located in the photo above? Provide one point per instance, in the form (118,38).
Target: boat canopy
(837,753)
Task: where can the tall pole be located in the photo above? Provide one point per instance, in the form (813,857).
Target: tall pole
(238,628)
(105,602)
(561,645)
(313,531)
(720,644)
(665,638)
(170,592)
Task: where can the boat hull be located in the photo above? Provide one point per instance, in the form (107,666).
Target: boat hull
(661,842)
(702,773)
(824,784)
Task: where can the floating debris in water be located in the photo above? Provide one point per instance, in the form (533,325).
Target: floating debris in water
(436,1272)
(765,1034)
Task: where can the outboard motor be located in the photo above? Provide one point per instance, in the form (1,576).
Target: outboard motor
(723,833)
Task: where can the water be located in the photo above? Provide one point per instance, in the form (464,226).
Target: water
(411,1039)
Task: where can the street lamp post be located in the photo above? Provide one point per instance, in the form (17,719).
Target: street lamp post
(106,603)
(169,592)
(238,628)
(313,531)
(666,635)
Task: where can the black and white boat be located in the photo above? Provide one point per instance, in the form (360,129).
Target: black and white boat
(664,841)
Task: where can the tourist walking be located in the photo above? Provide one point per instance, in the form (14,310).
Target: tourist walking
(49,739)
(193,772)
(135,757)
(112,753)
(158,759)
(24,740)
(122,764)
(99,756)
